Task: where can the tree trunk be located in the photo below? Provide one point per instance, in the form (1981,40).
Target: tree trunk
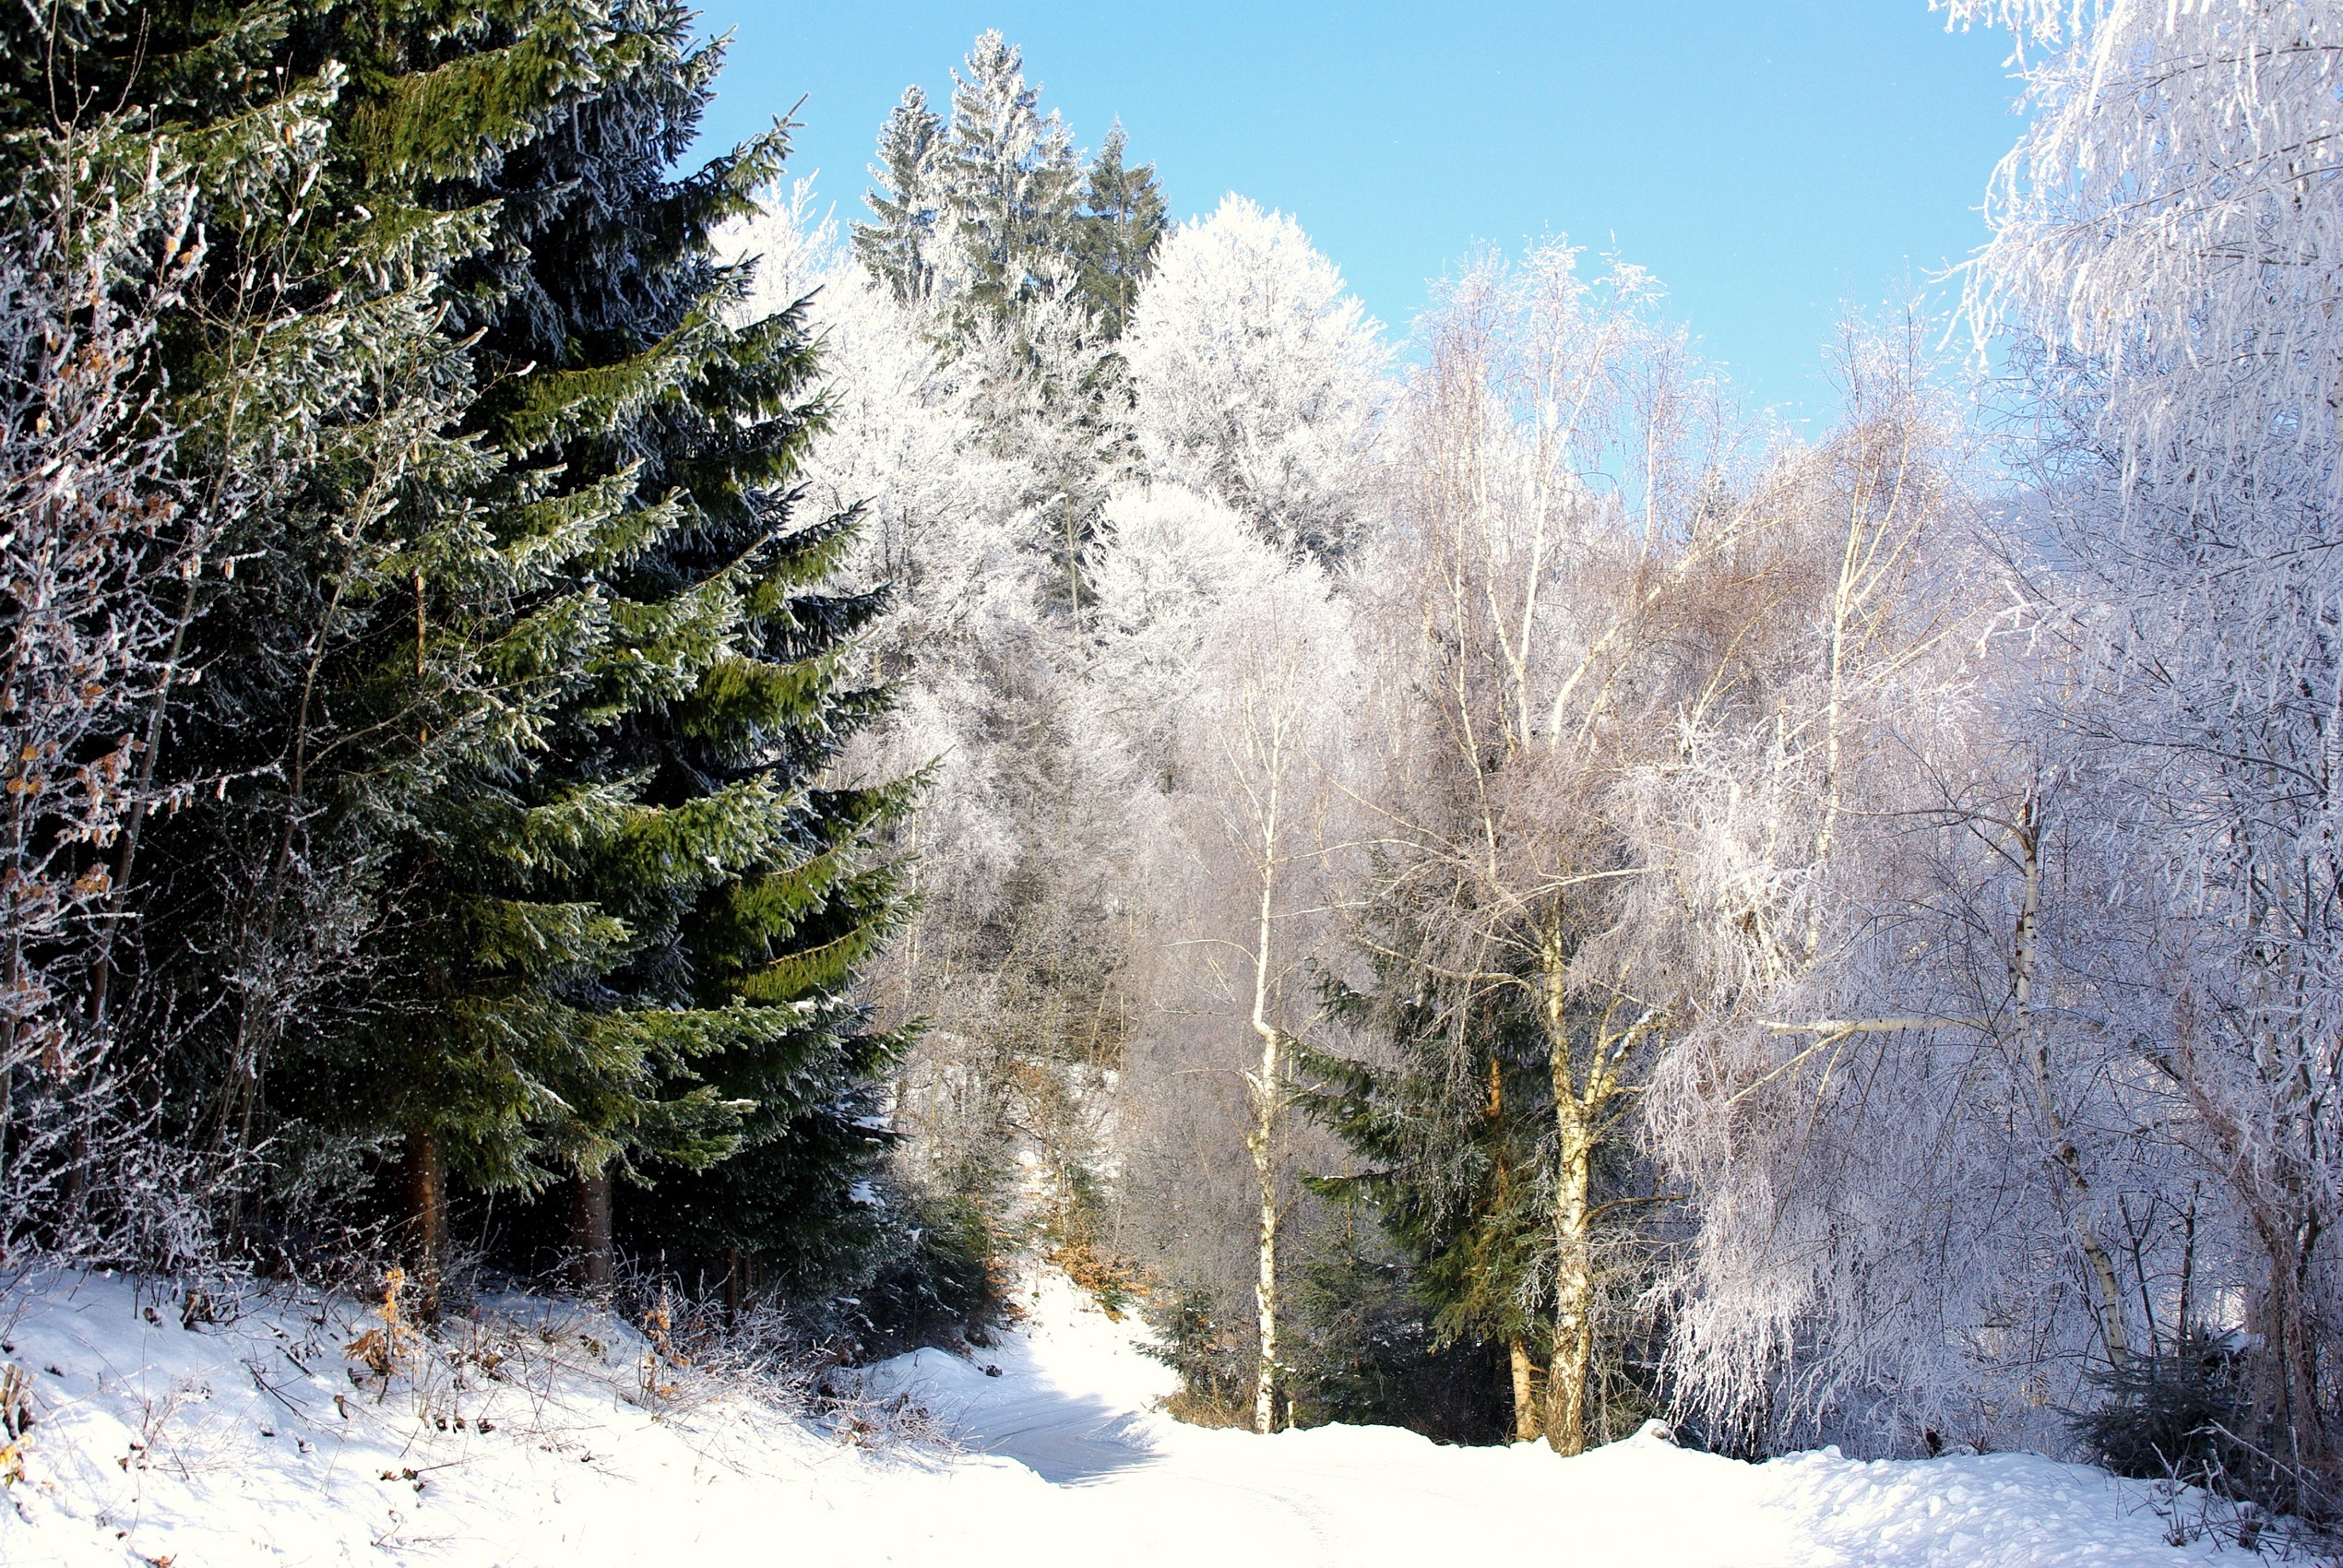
(2106,1292)
(593,1261)
(2286,1409)
(1576,1106)
(427,1196)
(2286,1406)
(1525,1424)
(1265,1290)
(1573,1351)
(1525,1395)
(1269,1106)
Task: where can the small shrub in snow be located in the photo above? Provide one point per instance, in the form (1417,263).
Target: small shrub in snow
(2169,1414)
(385,1349)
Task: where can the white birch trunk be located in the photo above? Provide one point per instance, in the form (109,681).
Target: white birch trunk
(1269,1107)
(2106,1295)
(1574,1346)
(1525,1424)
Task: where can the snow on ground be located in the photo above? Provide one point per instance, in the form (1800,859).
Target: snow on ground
(1071,1399)
(533,1439)
(250,1443)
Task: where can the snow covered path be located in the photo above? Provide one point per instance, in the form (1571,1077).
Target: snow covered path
(1073,1399)
(539,1441)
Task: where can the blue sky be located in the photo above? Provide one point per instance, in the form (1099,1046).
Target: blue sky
(1769,160)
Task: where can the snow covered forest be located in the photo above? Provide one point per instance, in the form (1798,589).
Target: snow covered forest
(578,722)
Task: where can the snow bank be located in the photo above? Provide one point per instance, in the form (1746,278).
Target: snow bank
(544,1435)
(537,1435)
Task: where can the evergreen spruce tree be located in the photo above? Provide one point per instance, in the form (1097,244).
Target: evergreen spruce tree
(989,220)
(380,667)
(991,212)
(900,249)
(1449,1129)
(1364,1350)
(1122,222)
(1455,1128)
(980,212)
(744,895)
(494,809)
(1013,185)
(319,402)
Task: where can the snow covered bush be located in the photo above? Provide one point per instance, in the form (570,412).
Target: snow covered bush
(97,241)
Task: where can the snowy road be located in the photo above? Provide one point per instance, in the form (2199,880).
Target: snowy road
(1073,1403)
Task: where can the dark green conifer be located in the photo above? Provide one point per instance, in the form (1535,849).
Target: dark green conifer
(496,842)
(1122,222)
(319,404)
(899,248)
(746,896)
(392,627)
(1448,1129)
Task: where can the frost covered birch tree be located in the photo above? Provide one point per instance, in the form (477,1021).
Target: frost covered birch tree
(1226,678)
(2046,1096)
(2168,233)
(1275,685)
(1829,834)
(1540,619)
